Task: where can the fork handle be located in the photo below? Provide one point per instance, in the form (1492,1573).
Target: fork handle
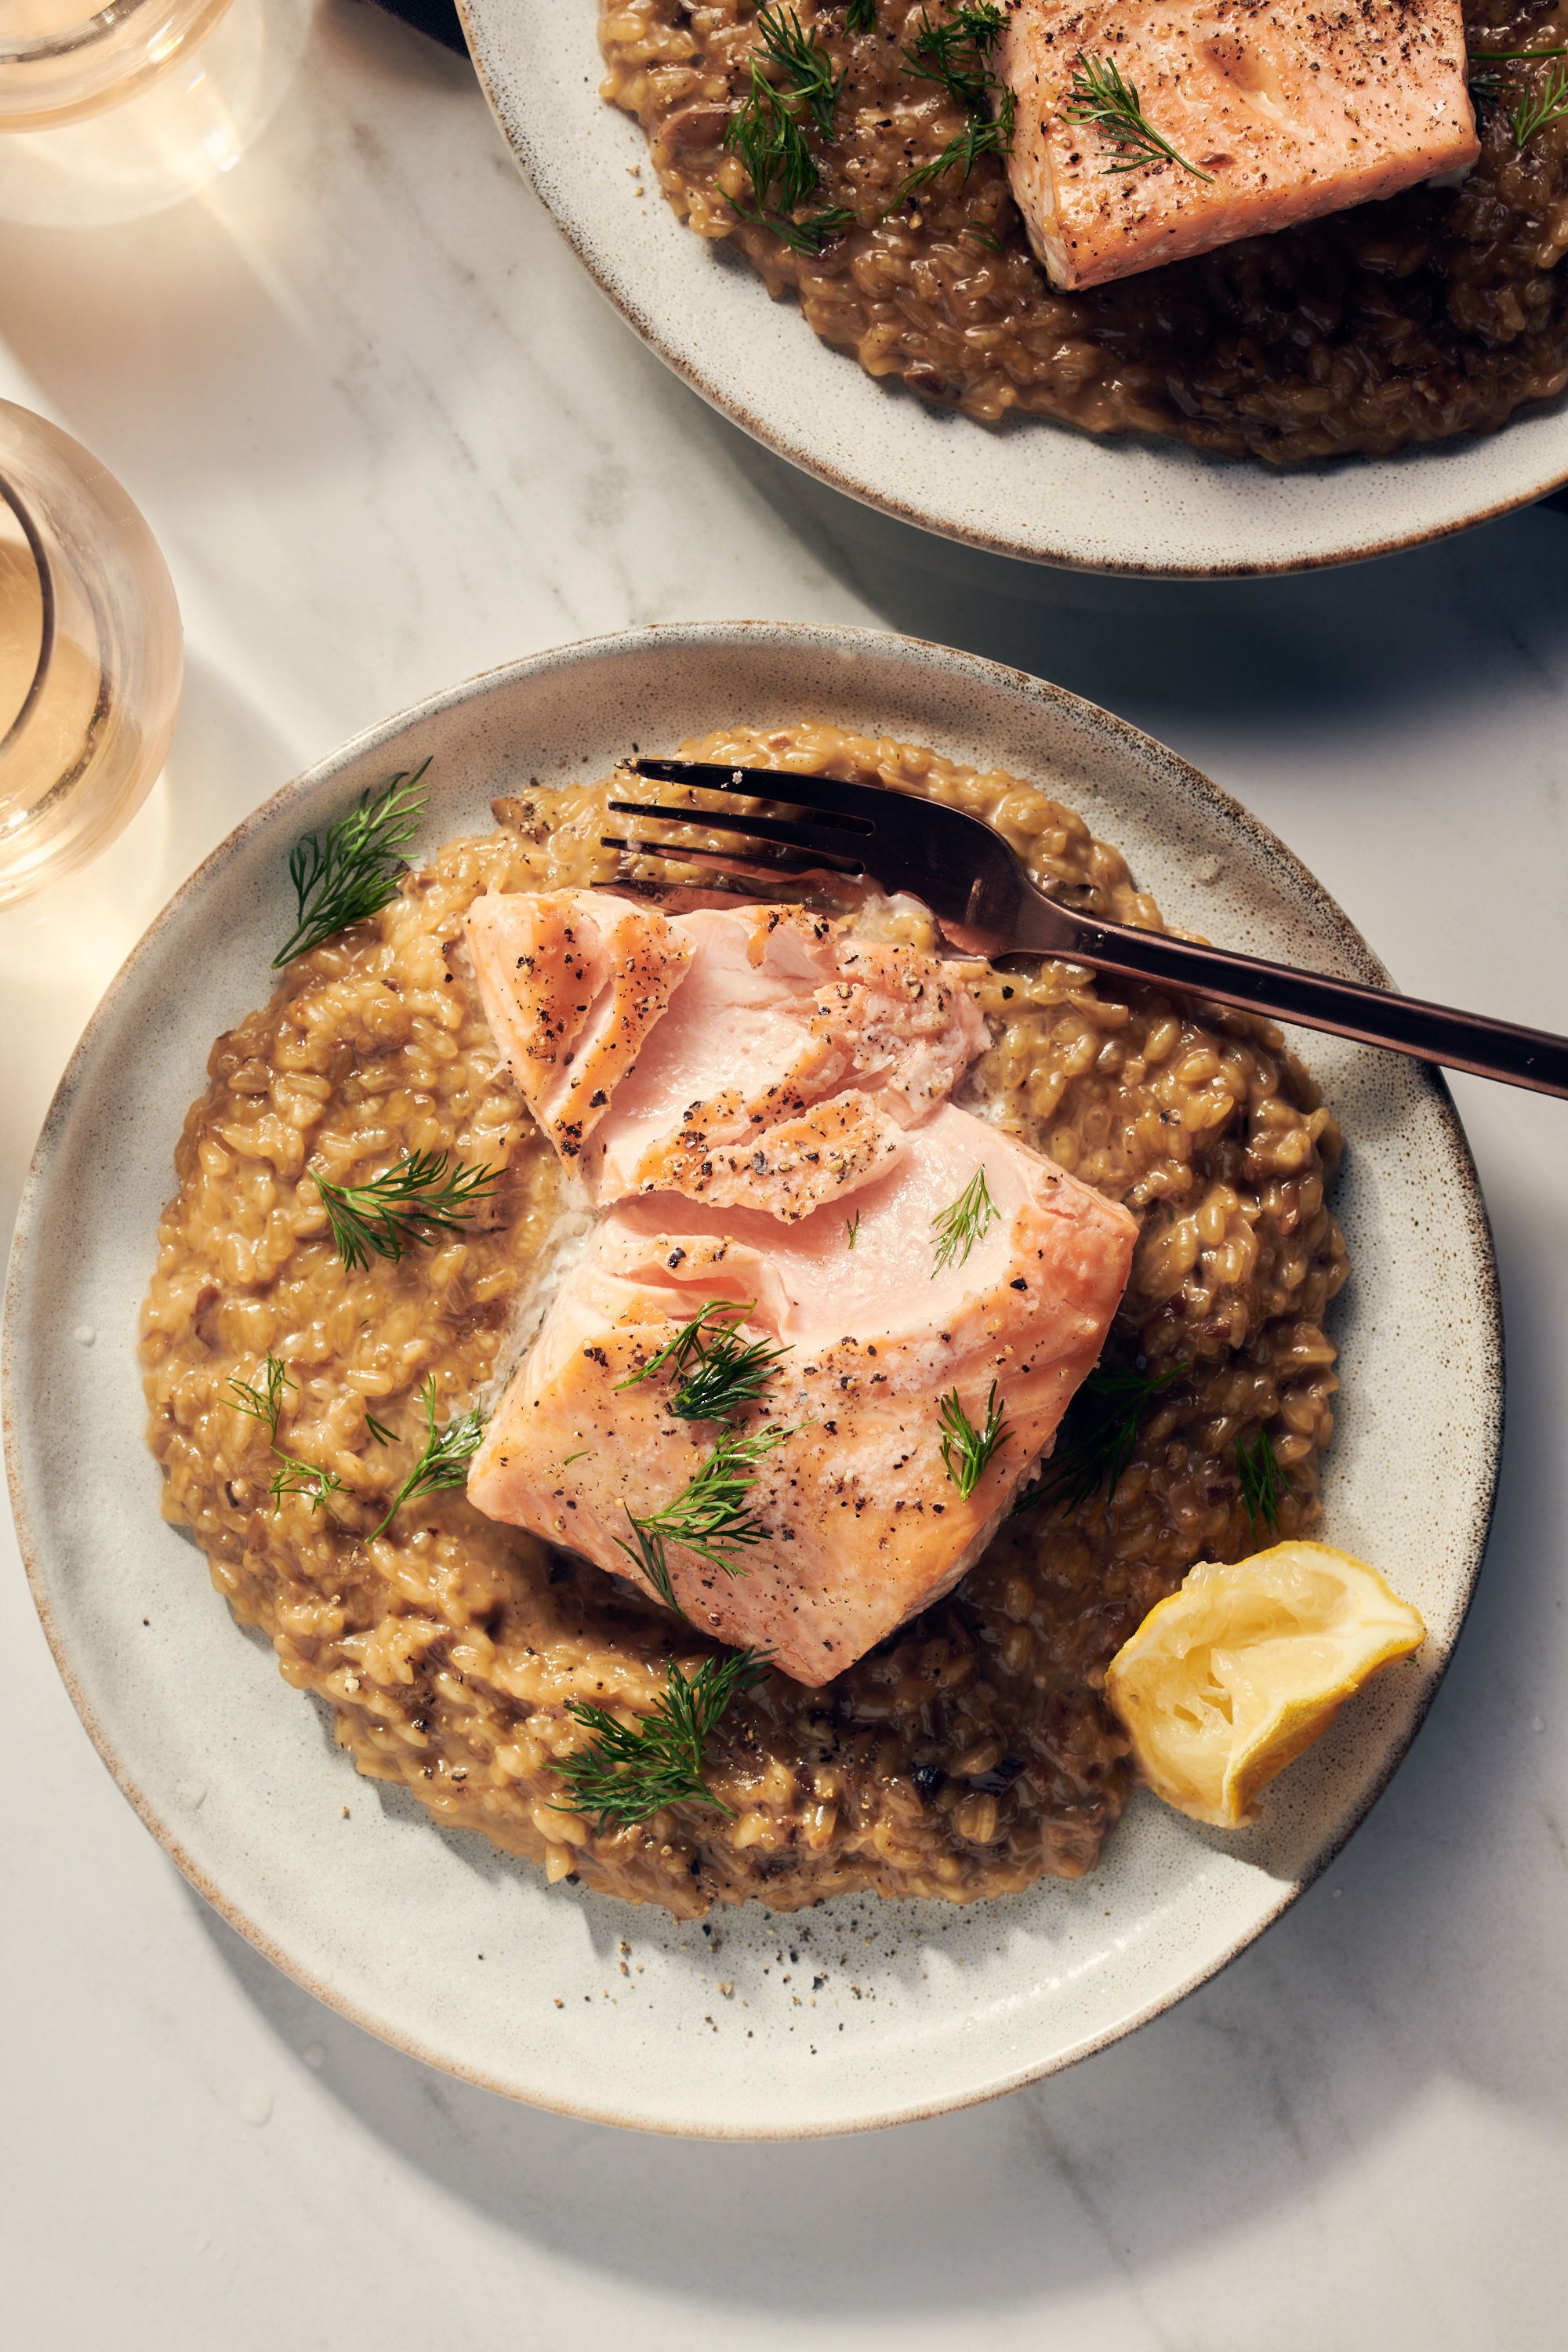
(1373,1017)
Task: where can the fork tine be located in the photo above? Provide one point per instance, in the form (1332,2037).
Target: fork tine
(964,869)
(730,859)
(682,897)
(822,843)
(855,806)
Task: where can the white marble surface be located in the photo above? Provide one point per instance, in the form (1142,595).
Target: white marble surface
(388,435)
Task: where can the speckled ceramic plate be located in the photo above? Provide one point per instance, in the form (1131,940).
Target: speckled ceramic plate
(1031,488)
(437,1942)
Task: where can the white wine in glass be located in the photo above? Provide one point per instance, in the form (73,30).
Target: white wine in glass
(91,657)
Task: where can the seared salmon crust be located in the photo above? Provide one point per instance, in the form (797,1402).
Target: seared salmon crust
(962,1757)
(1439,311)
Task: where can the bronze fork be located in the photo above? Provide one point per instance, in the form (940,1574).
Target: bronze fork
(970,877)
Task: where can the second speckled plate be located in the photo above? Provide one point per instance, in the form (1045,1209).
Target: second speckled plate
(1031,488)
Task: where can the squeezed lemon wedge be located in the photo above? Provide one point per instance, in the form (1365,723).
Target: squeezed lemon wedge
(1234,1676)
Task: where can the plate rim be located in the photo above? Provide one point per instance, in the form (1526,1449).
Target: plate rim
(32,1538)
(529,163)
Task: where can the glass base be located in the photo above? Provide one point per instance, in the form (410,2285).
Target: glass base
(177,135)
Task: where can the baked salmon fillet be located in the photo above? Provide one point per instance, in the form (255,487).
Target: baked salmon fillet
(765,1056)
(1278,110)
(854,1521)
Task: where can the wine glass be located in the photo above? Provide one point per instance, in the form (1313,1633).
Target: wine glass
(60,59)
(91,657)
(109,116)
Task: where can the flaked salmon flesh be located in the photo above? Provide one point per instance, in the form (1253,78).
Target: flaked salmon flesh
(863,1525)
(572,982)
(1292,108)
(760,1056)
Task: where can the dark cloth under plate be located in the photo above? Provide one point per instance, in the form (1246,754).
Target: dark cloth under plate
(437,18)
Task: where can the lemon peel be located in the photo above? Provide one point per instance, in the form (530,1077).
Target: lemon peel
(1229,1679)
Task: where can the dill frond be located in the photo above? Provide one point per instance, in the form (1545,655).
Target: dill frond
(306,1478)
(711,1516)
(766,133)
(981,135)
(444,1458)
(394,1211)
(1102,100)
(262,1399)
(955,53)
(646,1552)
(807,70)
(349,872)
(963,1222)
(628,1775)
(716,1372)
(1263,1483)
(1539,108)
(966,1451)
(861,16)
(1102,1430)
(264,1404)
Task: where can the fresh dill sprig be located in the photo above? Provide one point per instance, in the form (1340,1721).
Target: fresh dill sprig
(966,1451)
(809,236)
(1102,1430)
(379,1430)
(394,1211)
(983,234)
(807,70)
(1104,100)
(716,1373)
(264,1404)
(628,1775)
(350,871)
(1263,1483)
(765,133)
(861,16)
(852,1228)
(306,1478)
(444,1458)
(1539,108)
(646,1552)
(963,1222)
(981,135)
(711,1516)
(955,54)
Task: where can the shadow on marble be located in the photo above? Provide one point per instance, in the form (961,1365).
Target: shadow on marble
(54,967)
(208,316)
(1369,638)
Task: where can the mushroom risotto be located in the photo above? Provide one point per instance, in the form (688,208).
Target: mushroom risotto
(298,1392)
(889,217)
